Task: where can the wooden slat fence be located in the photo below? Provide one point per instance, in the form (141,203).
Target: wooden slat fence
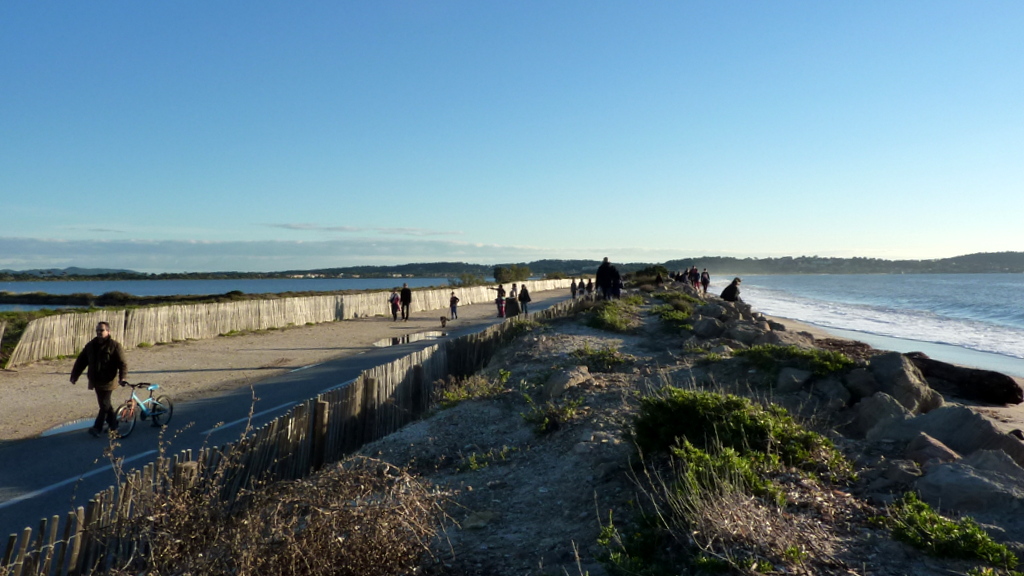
(66,334)
(63,335)
(315,432)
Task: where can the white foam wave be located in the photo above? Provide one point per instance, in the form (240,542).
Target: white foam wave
(886,321)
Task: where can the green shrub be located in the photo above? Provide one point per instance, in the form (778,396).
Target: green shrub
(611,315)
(454,391)
(477,461)
(702,470)
(673,317)
(603,360)
(916,523)
(770,358)
(632,300)
(550,416)
(674,297)
(708,420)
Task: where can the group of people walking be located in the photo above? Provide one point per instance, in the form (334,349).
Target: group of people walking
(699,280)
(515,301)
(518,298)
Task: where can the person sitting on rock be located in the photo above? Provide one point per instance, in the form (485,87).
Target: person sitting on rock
(732,291)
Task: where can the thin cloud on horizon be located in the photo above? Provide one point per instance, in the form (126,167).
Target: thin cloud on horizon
(351,229)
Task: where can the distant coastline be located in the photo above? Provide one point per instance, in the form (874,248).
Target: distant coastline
(981,263)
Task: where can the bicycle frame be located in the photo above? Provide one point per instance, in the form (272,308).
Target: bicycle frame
(143,404)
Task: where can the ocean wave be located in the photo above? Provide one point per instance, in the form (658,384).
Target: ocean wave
(895,320)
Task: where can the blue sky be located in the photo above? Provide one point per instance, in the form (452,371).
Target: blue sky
(260,136)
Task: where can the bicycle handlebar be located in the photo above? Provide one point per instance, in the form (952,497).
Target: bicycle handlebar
(139,385)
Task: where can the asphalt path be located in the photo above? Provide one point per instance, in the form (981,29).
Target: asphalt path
(51,475)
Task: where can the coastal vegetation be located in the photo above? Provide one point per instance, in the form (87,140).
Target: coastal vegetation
(770,358)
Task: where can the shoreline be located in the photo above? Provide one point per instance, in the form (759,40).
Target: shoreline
(946,353)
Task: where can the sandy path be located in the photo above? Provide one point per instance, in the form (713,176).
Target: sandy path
(38,397)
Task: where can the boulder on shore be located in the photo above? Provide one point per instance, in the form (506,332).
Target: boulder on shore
(968,383)
(898,377)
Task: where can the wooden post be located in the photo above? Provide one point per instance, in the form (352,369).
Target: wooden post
(50,546)
(19,561)
(369,411)
(320,416)
(76,547)
(418,382)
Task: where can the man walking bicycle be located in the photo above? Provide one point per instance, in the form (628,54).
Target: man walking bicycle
(104,358)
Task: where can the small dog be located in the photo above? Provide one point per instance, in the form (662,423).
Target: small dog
(444,321)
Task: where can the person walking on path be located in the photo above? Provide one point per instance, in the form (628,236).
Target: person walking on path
(524,298)
(732,291)
(572,289)
(406,301)
(705,279)
(104,358)
(396,302)
(606,275)
(453,303)
(500,300)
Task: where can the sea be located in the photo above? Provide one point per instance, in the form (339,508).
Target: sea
(969,319)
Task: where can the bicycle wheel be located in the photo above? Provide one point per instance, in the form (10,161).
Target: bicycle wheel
(127,414)
(162,410)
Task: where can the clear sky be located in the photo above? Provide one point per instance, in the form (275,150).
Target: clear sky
(260,136)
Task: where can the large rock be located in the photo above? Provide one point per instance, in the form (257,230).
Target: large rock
(898,377)
(963,488)
(875,412)
(798,339)
(708,328)
(744,331)
(711,310)
(954,425)
(791,380)
(860,383)
(968,383)
(561,381)
(833,395)
(923,448)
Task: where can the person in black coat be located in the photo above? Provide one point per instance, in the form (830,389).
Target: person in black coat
(406,301)
(104,358)
(732,291)
(524,298)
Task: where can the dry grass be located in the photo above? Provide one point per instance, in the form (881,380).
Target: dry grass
(362,516)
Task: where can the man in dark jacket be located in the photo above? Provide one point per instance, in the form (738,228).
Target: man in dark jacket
(104,358)
(732,291)
(406,301)
(606,275)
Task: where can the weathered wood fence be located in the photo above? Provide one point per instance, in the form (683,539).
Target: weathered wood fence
(316,432)
(67,334)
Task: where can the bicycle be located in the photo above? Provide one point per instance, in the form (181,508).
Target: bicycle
(160,409)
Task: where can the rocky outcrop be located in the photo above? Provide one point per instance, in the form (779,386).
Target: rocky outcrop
(968,383)
(954,425)
(924,449)
(898,377)
(984,483)
(561,381)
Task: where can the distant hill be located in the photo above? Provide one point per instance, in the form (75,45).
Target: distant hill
(1009,262)
(65,272)
(992,262)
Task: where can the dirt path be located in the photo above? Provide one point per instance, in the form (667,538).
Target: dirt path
(39,396)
